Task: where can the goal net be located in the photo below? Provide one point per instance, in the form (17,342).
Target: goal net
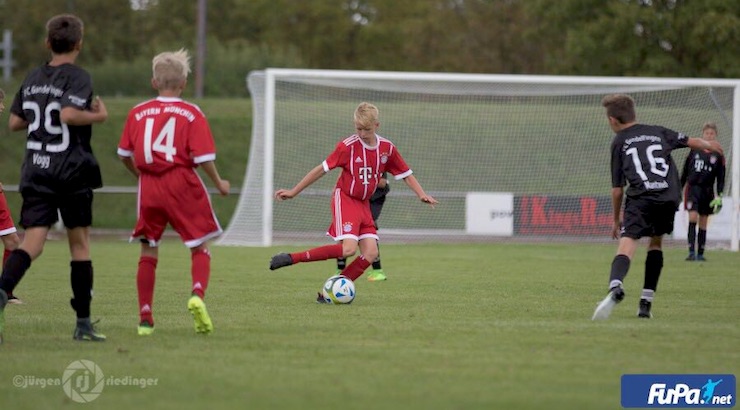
(506,156)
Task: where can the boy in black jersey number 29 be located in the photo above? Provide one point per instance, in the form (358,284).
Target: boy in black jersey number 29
(641,159)
(56,109)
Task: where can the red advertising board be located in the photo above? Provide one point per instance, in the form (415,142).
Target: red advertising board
(562,215)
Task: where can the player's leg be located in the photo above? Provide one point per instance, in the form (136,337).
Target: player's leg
(9,235)
(37,215)
(196,225)
(76,212)
(11,242)
(653,267)
(634,226)
(368,252)
(693,219)
(701,237)
(343,226)
(145,280)
(377,274)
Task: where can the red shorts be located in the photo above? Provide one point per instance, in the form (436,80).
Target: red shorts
(6,220)
(351,218)
(179,198)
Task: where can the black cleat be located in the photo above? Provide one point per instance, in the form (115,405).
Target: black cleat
(644,311)
(320,298)
(691,257)
(85,331)
(701,258)
(280,260)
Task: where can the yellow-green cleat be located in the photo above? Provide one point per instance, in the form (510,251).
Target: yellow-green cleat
(201,320)
(376,275)
(145,329)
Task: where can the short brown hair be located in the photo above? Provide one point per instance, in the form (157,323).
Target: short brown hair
(620,106)
(710,125)
(64,32)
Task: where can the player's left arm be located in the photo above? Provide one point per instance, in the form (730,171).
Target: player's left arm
(71,115)
(413,183)
(721,175)
(617,196)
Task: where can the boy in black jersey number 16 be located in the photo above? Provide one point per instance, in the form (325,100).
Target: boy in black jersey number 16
(641,159)
(55,108)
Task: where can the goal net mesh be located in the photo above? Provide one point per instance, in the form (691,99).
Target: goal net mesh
(547,144)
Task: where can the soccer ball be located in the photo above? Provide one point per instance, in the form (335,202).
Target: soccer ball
(338,290)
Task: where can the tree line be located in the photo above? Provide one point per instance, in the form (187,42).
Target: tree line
(661,38)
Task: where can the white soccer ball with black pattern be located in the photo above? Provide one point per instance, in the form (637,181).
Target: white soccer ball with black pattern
(338,290)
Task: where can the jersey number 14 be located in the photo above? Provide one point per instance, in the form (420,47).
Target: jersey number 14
(164,143)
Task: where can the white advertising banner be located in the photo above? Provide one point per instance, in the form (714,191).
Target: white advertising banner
(489,213)
(719,227)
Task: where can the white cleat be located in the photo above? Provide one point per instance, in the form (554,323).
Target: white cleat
(604,309)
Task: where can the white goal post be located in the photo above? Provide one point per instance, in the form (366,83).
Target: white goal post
(506,155)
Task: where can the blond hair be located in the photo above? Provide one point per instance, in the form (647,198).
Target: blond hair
(366,114)
(171,68)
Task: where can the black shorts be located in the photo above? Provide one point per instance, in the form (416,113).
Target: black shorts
(643,217)
(44,209)
(375,207)
(697,199)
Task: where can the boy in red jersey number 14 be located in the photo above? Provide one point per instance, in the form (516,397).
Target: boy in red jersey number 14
(363,158)
(162,143)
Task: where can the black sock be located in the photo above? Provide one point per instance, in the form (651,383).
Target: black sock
(81,277)
(15,267)
(620,267)
(341,263)
(692,236)
(653,266)
(701,240)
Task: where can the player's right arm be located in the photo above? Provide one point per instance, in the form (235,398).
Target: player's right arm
(700,143)
(74,116)
(311,177)
(16,123)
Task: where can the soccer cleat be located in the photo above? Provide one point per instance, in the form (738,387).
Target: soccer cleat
(3,302)
(604,309)
(145,328)
(201,320)
(320,299)
(280,260)
(701,258)
(13,300)
(644,310)
(376,275)
(85,331)
(691,257)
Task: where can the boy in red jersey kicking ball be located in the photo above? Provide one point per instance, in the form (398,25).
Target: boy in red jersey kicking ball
(163,141)
(363,158)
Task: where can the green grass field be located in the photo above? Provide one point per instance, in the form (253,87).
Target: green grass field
(463,326)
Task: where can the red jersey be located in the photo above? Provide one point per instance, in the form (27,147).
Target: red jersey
(166,132)
(363,165)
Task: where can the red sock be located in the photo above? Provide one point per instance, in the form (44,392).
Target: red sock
(200,271)
(321,253)
(145,285)
(356,268)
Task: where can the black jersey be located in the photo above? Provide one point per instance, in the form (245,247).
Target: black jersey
(703,168)
(380,193)
(641,156)
(59,158)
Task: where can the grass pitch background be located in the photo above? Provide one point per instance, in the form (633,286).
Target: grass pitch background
(456,326)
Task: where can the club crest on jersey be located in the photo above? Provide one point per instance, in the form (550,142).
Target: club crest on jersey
(347,227)
(384,159)
(712,159)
